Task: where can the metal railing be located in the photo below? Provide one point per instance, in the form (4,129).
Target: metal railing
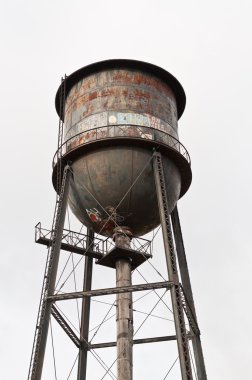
(79,240)
(142,245)
(122,131)
(72,238)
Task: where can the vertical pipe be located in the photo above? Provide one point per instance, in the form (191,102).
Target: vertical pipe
(85,312)
(124,315)
(124,321)
(196,342)
(177,307)
(56,245)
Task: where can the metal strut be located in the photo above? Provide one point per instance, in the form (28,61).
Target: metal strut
(85,311)
(65,326)
(190,315)
(188,296)
(40,337)
(181,333)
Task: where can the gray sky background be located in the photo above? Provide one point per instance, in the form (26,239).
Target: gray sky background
(207,46)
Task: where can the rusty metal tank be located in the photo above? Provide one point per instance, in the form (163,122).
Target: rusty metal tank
(116,113)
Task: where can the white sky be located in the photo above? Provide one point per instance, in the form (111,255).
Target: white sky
(207,46)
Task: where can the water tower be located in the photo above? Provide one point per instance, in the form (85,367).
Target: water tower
(121,168)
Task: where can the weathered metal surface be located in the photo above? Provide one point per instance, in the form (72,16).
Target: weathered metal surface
(103,119)
(124,312)
(130,65)
(104,177)
(120,97)
(128,135)
(124,321)
(135,105)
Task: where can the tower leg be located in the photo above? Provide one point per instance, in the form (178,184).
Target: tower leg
(124,317)
(85,313)
(39,344)
(196,342)
(177,306)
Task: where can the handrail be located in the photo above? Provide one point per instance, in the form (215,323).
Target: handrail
(79,240)
(114,131)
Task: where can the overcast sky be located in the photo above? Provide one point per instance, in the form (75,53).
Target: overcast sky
(207,46)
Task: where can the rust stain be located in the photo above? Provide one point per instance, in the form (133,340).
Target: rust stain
(92,95)
(120,90)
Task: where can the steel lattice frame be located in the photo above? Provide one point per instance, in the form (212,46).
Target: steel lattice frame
(182,339)
(180,301)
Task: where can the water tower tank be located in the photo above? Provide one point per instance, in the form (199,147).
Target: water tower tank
(116,113)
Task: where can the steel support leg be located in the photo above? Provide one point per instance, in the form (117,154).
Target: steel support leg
(39,345)
(181,334)
(85,313)
(197,347)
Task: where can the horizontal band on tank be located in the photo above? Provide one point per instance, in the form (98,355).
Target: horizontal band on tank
(118,118)
(148,68)
(112,135)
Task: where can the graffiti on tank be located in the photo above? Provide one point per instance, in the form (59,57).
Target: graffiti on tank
(94,215)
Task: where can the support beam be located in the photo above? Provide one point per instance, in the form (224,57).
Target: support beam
(39,344)
(65,326)
(190,315)
(186,283)
(117,290)
(136,341)
(85,311)
(181,333)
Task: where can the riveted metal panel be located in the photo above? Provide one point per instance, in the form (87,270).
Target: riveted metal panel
(129,94)
(121,106)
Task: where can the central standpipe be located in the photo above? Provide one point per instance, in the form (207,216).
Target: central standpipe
(124,315)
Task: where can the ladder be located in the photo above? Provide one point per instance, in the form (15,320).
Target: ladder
(61,129)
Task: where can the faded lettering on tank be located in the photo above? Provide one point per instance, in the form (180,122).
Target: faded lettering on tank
(103,119)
